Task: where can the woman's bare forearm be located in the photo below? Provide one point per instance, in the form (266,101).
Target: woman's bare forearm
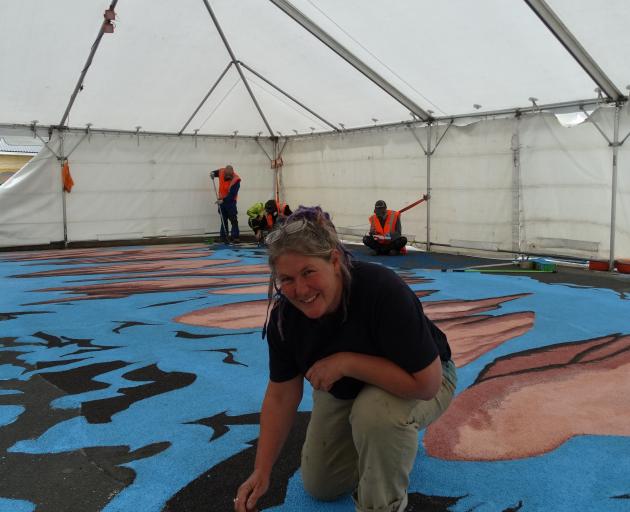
(276,419)
(385,374)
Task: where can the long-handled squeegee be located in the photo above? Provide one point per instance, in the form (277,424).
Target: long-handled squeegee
(216,193)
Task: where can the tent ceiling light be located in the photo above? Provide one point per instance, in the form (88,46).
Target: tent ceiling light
(375,120)
(476,106)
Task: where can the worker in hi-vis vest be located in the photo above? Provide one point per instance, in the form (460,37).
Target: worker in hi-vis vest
(263,218)
(227,195)
(275,211)
(385,231)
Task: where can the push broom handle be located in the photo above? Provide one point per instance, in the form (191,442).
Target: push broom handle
(216,193)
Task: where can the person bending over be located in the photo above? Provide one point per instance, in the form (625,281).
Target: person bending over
(275,212)
(385,231)
(229,185)
(263,218)
(380,370)
(256,220)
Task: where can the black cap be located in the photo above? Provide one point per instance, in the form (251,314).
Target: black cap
(270,206)
(380,205)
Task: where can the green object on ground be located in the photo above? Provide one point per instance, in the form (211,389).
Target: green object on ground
(546,266)
(499,271)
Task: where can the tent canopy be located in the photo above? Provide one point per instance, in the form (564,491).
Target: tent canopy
(447,58)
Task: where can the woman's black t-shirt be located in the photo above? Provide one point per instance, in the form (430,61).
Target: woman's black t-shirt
(384,319)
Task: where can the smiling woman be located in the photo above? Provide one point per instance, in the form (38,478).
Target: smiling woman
(379,368)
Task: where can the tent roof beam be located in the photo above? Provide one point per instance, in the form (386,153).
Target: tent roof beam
(289,96)
(214,86)
(573,46)
(573,106)
(237,65)
(349,57)
(87,65)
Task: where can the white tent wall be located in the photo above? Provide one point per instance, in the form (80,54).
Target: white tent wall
(622,224)
(471,186)
(129,187)
(31,209)
(346,174)
(556,202)
(566,180)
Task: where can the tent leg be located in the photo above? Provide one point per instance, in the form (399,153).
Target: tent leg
(516,186)
(613,202)
(61,158)
(429,152)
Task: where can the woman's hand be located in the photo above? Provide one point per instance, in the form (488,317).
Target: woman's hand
(325,372)
(250,491)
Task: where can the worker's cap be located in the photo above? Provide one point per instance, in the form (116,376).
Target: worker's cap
(380,205)
(270,206)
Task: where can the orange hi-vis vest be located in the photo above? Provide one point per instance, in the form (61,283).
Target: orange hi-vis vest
(225,185)
(384,232)
(280,209)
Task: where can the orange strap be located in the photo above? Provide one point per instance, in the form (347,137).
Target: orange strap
(66,178)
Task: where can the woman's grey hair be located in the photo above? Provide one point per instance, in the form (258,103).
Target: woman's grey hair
(316,237)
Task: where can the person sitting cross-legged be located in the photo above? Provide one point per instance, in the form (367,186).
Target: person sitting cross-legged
(385,231)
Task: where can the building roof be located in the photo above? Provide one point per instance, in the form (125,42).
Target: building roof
(20,146)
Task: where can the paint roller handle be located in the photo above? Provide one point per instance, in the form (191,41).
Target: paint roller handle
(425,197)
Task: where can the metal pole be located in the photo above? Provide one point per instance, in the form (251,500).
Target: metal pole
(238,66)
(516,186)
(291,11)
(276,184)
(214,86)
(79,85)
(613,202)
(429,153)
(216,193)
(63,192)
(573,46)
(289,96)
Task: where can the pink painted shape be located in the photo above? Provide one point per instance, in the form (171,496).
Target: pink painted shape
(552,395)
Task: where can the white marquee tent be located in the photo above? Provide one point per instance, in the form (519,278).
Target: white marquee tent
(512,114)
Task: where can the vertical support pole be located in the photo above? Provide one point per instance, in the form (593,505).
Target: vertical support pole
(613,202)
(429,191)
(62,159)
(516,186)
(276,182)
